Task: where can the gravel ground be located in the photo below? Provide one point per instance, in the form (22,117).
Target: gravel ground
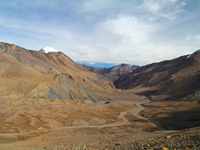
(188,139)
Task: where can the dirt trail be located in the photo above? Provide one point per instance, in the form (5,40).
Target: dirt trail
(75,134)
(138,109)
(122,115)
(115,124)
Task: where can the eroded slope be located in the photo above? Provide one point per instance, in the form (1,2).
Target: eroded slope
(36,74)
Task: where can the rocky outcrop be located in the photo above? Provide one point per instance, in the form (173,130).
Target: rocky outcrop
(112,73)
(36,74)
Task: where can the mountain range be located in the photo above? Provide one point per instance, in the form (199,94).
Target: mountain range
(112,73)
(177,78)
(51,74)
(48,101)
(36,74)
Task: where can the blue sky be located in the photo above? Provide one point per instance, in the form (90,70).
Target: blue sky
(97,64)
(111,31)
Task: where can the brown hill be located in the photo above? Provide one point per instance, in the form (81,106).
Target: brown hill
(178,78)
(112,73)
(36,74)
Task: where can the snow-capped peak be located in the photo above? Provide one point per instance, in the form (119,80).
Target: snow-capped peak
(49,49)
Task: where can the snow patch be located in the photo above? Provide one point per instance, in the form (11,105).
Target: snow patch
(91,62)
(188,56)
(48,49)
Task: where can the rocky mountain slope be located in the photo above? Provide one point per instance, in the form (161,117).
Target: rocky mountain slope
(36,74)
(112,73)
(179,77)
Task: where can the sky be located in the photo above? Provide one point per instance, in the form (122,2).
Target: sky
(135,32)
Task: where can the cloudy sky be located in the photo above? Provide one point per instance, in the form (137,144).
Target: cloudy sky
(110,31)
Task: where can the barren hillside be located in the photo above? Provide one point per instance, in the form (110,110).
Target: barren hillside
(178,77)
(36,74)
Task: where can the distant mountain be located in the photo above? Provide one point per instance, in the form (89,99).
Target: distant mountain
(96,64)
(44,74)
(177,78)
(112,73)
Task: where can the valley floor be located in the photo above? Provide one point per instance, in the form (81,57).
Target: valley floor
(128,122)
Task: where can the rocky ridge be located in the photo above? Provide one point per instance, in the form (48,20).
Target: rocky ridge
(112,73)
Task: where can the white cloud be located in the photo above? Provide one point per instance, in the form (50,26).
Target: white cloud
(151,6)
(94,6)
(126,30)
(44,27)
(130,37)
(163,8)
(193,37)
(105,31)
